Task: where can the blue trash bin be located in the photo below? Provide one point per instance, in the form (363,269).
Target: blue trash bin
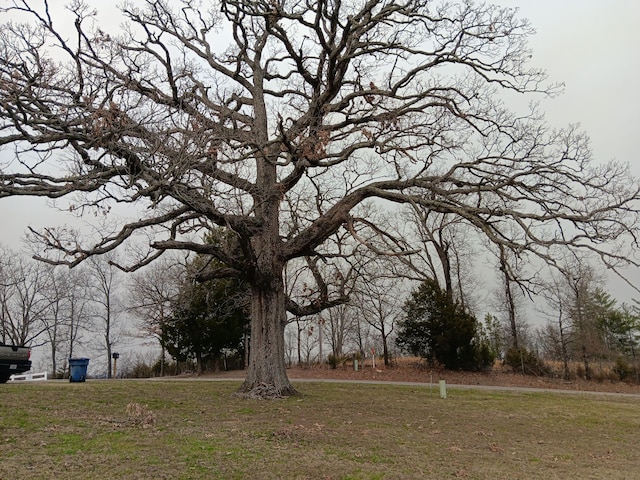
(78,369)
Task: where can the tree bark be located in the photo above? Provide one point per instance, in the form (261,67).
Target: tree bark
(266,376)
(511,306)
(565,352)
(385,350)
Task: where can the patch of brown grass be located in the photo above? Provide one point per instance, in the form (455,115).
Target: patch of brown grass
(140,415)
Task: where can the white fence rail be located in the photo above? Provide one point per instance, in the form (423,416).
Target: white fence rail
(29,377)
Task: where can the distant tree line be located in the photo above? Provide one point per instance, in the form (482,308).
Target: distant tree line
(66,313)
(95,310)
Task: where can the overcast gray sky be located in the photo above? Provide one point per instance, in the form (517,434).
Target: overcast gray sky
(590,45)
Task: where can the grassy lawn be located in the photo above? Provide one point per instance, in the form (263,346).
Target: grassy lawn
(198,430)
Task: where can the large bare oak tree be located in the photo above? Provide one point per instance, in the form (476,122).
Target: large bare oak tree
(276,120)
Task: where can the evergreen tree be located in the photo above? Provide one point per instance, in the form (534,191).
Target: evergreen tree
(207,319)
(441,330)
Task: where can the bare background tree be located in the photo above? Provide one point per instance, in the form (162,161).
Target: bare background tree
(107,306)
(557,333)
(277,121)
(380,302)
(23,307)
(55,321)
(337,325)
(151,295)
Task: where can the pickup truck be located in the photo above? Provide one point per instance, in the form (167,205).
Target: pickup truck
(13,360)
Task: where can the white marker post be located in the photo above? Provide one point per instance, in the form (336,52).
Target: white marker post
(443,389)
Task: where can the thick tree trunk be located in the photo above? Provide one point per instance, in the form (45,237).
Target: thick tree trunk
(266,375)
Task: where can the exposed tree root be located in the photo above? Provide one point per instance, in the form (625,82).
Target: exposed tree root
(264,391)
